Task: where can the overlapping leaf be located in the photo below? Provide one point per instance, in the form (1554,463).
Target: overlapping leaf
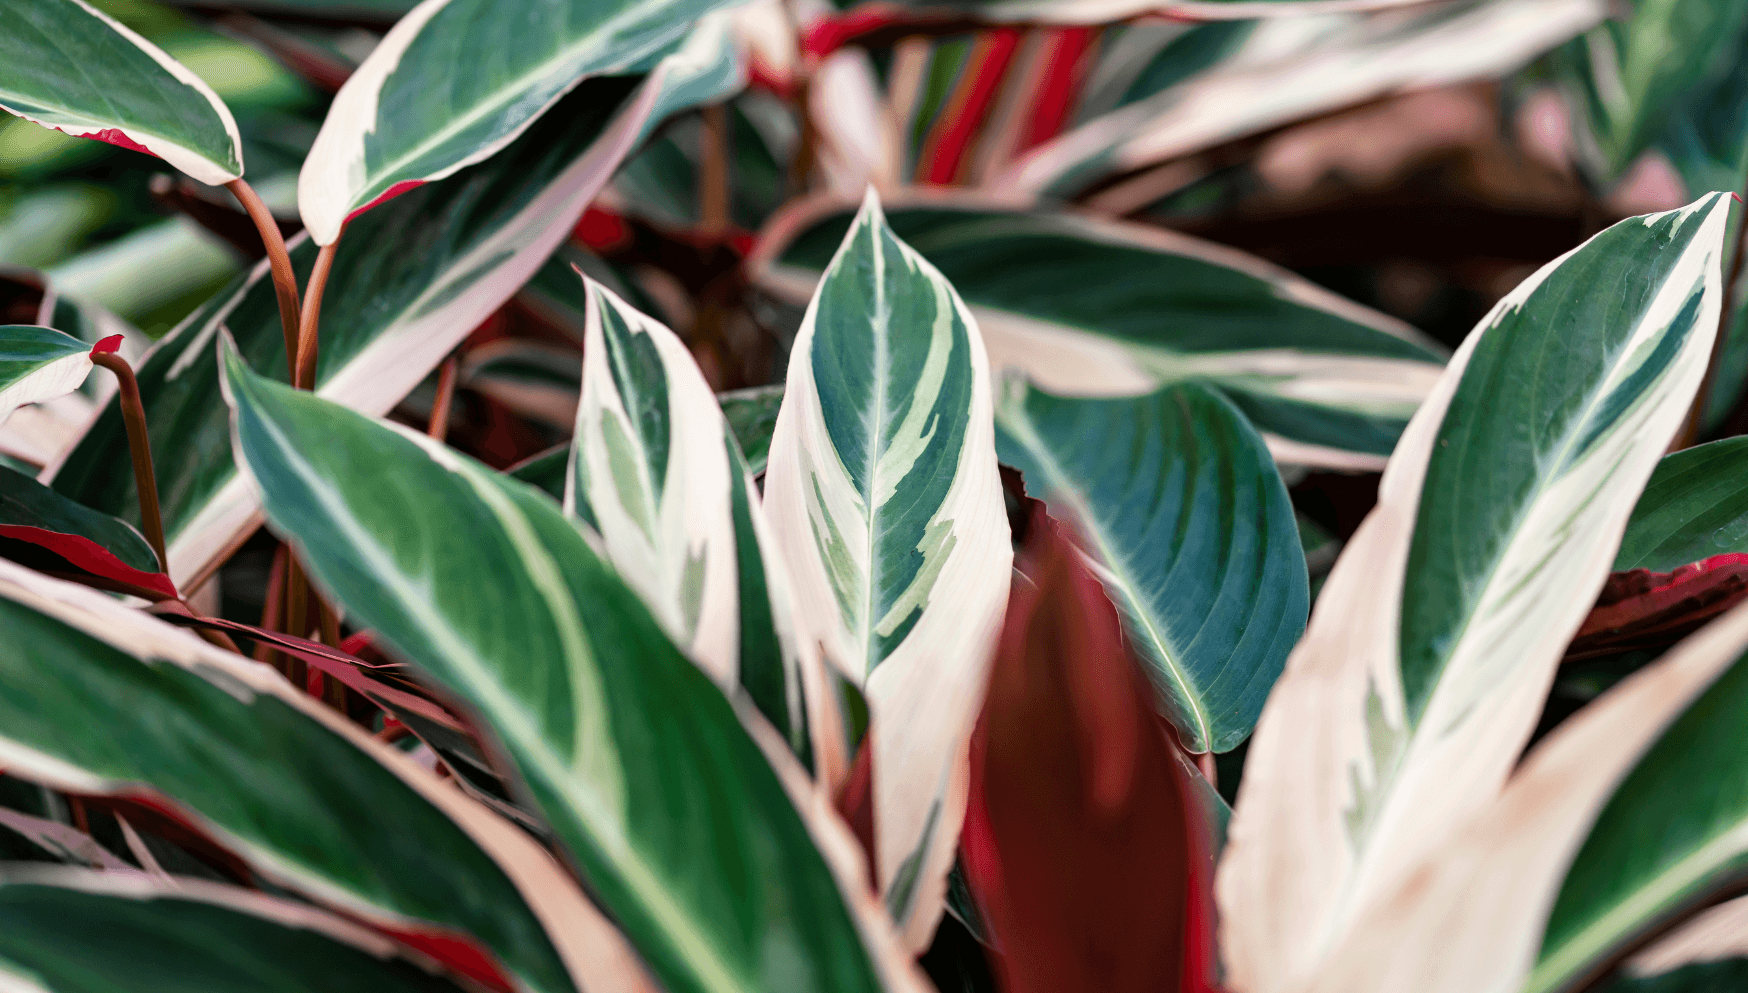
(1089,308)
(102,700)
(1694,507)
(655,471)
(1179,505)
(752,416)
(32,517)
(1426,664)
(38,364)
(883,490)
(660,797)
(410,281)
(424,104)
(74,68)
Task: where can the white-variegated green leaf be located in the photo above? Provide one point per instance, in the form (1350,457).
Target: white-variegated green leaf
(656,473)
(1093,308)
(1625,818)
(409,282)
(38,364)
(677,819)
(1176,501)
(883,490)
(752,416)
(455,81)
(74,68)
(1429,656)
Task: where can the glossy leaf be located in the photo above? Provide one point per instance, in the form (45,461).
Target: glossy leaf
(1093,308)
(752,416)
(1694,507)
(74,931)
(101,700)
(38,364)
(1179,505)
(424,104)
(659,796)
(1092,864)
(1622,815)
(409,283)
(654,470)
(883,491)
(94,544)
(1427,661)
(74,68)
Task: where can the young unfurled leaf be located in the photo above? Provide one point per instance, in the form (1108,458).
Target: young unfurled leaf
(74,68)
(1426,663)
(425,104)
(1177,502)
(1085,844)
(655,471)
(883,490)
(659,796)
(96,545)
(38,364)
(1095,308)
(1631,813)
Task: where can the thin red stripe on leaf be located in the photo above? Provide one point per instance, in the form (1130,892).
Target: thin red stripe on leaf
(1084,844)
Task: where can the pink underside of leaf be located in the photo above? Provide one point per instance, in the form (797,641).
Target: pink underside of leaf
(387,195)
(114,136)
(458,953)
(107,345)
(89,556)
(1638,608)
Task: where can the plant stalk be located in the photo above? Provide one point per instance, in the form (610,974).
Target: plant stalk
(139,444)
(310,319)
(278,263)
(438,426)
(713,213)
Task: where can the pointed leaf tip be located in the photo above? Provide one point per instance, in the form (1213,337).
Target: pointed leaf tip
(107,346)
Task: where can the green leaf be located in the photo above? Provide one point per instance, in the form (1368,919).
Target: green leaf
(1179,505)
(655,471)
(1094,308)
(102,700)
(1428,659)
(752,416)
(548,471)
(73,68)
(1694,507)
(1726,976)
(409,282)
(38,364)
(883,490)
(425,104)
(667,807)
(77,931)
(36,517)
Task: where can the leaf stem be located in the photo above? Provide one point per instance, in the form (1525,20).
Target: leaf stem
(438,426)
(278,263)
(713,179)
(139,444)
(305,369)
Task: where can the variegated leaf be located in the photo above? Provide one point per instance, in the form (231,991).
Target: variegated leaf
(38,364)
(74,68)
(655,472)
(1429,656)
(883,490)
(425,103)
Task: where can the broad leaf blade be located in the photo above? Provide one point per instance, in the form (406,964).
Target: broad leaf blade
(883,490)
(640,764)
(94,544)
(1694,507)
(1094,308)
(654,470)
(75,931)
(409,282)
(424,104)
(38,364)
(1179,505)
(1427,661)
(74,68)
(102,700)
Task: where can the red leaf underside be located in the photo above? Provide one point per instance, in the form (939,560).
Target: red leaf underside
(1642,609)
(90,558)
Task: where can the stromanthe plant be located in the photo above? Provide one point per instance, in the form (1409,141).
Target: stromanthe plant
(930,590)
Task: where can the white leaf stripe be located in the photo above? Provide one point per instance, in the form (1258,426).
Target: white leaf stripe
(1417,744)
(38,364)
(883,492)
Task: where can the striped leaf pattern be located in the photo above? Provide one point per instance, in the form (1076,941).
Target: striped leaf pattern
(1425,666)
(38,364)
(1178,504)
(74,68)
(655,472)
(883,491)
(1093,308)
(656,792)
(424,104)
